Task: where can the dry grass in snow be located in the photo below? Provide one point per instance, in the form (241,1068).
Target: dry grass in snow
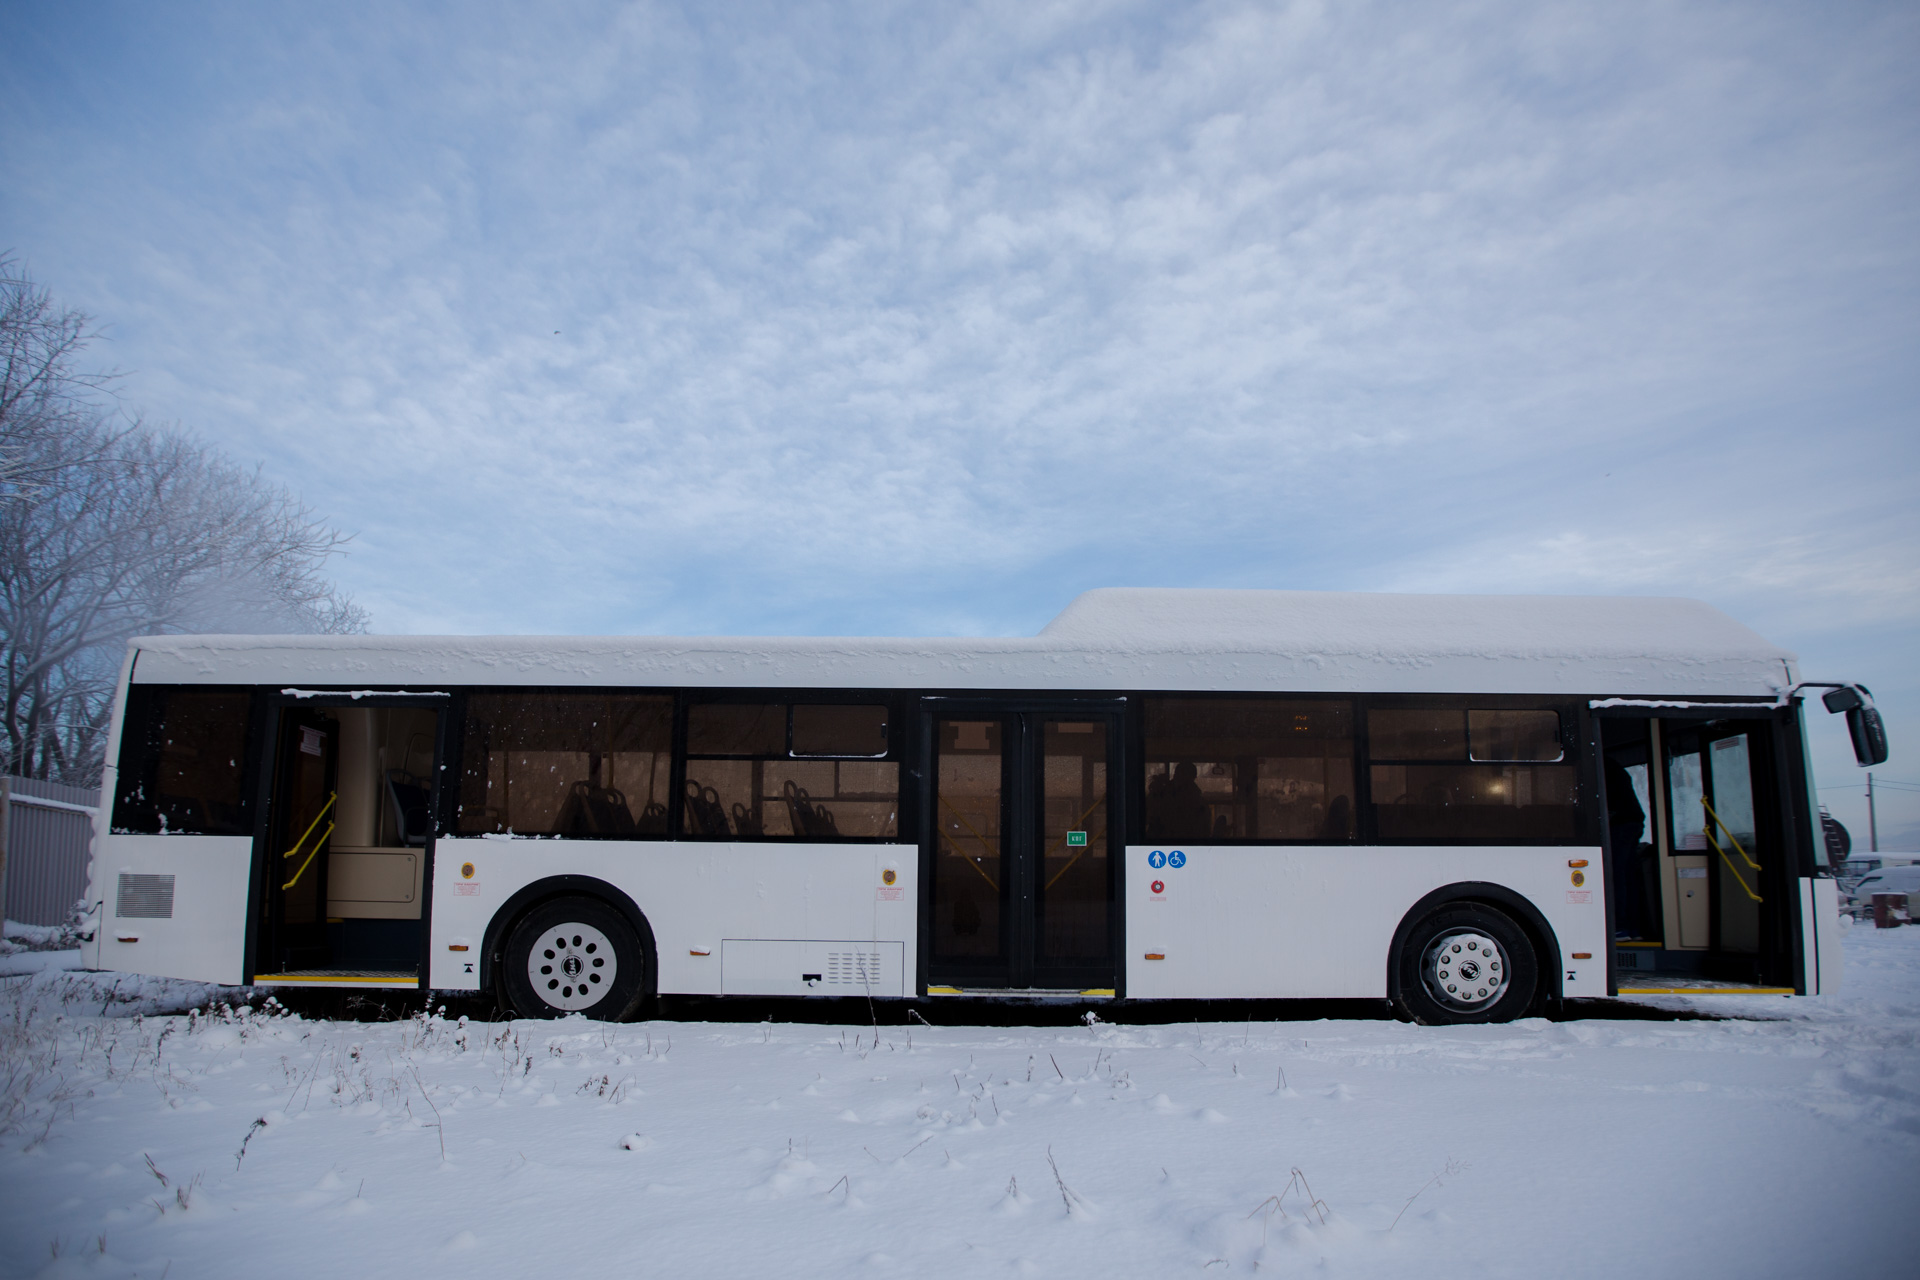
(247,1142)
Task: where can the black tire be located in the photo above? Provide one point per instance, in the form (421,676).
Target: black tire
(572,955)
(1466,963)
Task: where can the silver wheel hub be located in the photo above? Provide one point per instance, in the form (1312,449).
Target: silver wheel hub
(1465,970)
(572,966)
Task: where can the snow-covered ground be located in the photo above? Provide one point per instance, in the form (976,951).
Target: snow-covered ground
(1783,1141)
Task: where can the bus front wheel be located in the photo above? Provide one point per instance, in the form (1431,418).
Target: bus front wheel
(1467,963)
(572,955)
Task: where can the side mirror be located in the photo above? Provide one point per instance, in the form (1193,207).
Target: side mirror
(1864,726)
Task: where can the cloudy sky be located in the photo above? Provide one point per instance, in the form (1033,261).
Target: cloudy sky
(908,318)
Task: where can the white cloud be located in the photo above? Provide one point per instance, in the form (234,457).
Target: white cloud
(926,318)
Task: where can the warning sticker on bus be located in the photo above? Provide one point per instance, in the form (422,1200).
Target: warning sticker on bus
(1579,895)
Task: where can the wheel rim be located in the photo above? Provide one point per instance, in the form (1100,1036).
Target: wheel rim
(571,966)
(1465,970)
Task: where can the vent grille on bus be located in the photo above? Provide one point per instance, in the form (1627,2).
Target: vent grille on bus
(852,968)
(145,897)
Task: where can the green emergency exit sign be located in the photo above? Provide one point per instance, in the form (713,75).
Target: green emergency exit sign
(1076,839)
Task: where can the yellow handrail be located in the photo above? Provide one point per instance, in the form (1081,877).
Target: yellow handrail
(1735,842)
(331,797)
(1731,838)
(964,855)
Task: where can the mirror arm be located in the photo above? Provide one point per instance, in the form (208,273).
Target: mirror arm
(1864,725)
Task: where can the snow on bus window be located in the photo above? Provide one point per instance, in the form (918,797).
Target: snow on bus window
(182,762)
(575,764)
(1249,769)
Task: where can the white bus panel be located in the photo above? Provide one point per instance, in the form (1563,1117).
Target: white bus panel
(174,905)
(1288,922)
(696,897)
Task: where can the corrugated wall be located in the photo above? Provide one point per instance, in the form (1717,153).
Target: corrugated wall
(49,828)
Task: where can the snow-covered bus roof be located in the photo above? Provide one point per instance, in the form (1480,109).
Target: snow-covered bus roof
(1117,639)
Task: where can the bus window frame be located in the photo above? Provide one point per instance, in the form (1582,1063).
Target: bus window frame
(447,813)
(149,755)
(1576,754)
(779,695)
(1135,736)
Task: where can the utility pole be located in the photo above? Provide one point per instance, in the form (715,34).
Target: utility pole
(1873,826)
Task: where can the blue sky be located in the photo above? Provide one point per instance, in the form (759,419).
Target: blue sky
(903,318)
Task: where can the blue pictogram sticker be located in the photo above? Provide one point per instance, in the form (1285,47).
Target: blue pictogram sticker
(1176,859)
(1156,859)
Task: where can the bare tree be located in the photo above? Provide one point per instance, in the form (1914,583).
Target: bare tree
(40,391)
(112,529)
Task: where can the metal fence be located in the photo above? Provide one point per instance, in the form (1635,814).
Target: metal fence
(45,832)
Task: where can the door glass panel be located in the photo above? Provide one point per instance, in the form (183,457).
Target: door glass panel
(1686,786)
(1637,774)
(1733,842)
(1073,870)
(300,835)
(308,800)
(970,880)
(1733,789)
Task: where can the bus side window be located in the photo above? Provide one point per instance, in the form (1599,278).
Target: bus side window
(1249,769)
(775,771)
(182,760)
(566,764)
(1455,773)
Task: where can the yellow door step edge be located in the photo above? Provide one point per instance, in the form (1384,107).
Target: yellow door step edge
(330,980)
(1706,991)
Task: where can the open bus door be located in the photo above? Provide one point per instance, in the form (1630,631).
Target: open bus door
(343,855)
(1705,894)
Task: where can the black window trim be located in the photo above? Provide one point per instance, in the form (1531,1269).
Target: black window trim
(772,695)
(149,756)
(448,817)
(1137,784)
(1573,736)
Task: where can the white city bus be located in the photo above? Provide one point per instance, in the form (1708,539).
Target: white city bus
(1474,807)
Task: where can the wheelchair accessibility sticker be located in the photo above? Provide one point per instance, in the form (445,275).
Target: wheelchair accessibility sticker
(1158,859)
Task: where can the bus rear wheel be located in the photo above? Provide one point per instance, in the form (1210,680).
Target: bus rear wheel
(1467,963)
(572,955)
